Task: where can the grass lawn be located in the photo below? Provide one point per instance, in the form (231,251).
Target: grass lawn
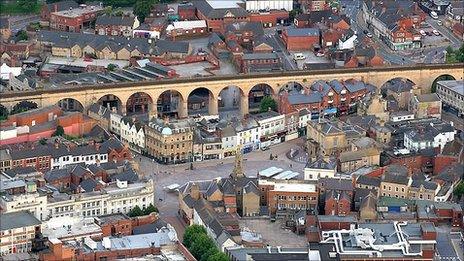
(18,7)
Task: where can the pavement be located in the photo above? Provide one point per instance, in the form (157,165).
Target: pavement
(274,234)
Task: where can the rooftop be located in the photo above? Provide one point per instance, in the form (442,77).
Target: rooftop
(17,220)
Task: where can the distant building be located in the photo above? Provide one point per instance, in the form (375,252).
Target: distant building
(116,25)
(74,20)
(219,13)
(301,39)
(169,142)
(314,170)
(451,94)
(5,28)
(186,29)
(17,231)
(353,160)
(426,105)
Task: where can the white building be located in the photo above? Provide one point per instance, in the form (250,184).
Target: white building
(347,43)
(304,116)
(132,133)
(6,71)
(76,155)
(271,127)
(248,134)
(435,135)
(451,94)
(256,5)
(187,27)
(229,141)
(119,197)
(115,123)
(17,229)
(320,169)
(398,116)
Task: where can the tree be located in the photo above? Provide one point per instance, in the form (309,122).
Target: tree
(22,35)
(150,209)
(219,256)
(267,103)
(43,141)
(135,212)
(200,245)
(190,233)
(111,67)
(59,131)
(212,251)
(459,190)
(142,9)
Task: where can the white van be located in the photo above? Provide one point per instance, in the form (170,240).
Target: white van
(433,15)
(298,56)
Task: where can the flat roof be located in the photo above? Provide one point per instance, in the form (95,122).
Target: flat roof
(17,220)
(288,174)
(291,187)
(221,4)
(269,172)
(70,227)
(453,85)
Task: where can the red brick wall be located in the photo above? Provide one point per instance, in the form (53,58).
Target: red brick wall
(27,118)
(303,43)
(334,225)
(269,19)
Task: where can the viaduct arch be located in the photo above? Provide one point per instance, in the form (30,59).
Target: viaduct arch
(422,75)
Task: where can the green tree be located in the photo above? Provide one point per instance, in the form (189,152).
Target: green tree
(190,233)
(43,141)
(59,131)
(219,256)
(22,35)
(150,209)
(201,244)
(267,103)
(459,190)
(135,212)
(212,251)
(111,67)
(142,9)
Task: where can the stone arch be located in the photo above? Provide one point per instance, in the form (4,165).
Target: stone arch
(443,77)
(257,93)
(229,99)
(202,100)
(290,86)
(139,102)
(23,106)
(171,103)
(399,89)
(112,102)
(70,104)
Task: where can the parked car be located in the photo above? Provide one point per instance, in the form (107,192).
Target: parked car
(435,32)
(440,23)
(369,35)
(434,15)
(319,54)
(422,32)
(299,56)
(365,31)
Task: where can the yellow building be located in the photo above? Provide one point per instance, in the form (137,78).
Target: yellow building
(17,230)
(170,142)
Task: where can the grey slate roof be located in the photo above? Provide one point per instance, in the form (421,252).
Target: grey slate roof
(17,220)
(298,98)
(366,180)
(396,174)
(207,10)
(416,183)
(300,32)
(88,185)
(321,164)
(336,184)
(115,20)
(259,56)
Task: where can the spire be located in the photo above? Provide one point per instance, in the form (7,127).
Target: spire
(237,172)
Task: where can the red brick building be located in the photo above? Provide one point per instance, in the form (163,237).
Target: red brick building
(270,18)
(337,203)
(301,39)
(74,20)
(186,11)
(333,222)
(48,9)
(283,196)
(258,62)
(218,14)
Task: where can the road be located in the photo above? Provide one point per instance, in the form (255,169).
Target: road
(281,50)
